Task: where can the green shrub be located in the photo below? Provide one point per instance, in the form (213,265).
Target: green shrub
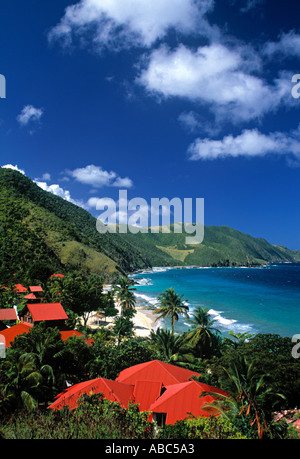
(94,418)
(202,428)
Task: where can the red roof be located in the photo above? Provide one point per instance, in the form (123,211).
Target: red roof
(57,275)
(179,400)
(158,371)
(65,334)
(112,390)
(8,314)
(11,333)
(20,289)
(30,296)
(36,288)
(146,392)
(46,311)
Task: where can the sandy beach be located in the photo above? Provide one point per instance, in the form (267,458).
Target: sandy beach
(144,321)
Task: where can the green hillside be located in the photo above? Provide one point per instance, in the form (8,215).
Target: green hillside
(222,246)
(41,234)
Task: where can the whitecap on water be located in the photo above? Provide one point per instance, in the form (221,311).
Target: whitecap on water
(230,324)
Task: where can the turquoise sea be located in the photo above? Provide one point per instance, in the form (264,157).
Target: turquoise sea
(259,300)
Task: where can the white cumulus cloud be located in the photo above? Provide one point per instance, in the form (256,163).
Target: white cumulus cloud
(250,143)
(98,178)
(59,191)
(15,168)
(288,45)
(29,113)
(216,76)
(123,23)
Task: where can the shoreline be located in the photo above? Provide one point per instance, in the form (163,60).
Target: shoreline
(144,321)
(157,269)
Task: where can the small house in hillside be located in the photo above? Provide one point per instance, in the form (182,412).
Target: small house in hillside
(32,298)
(166,391)
(181,400)
(158,371)
(19,288)
(37,291)
(51,313)
(111,390)
(7,315)
(57,275)
(9,334)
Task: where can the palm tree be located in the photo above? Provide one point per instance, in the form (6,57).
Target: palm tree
(249,390)
(202,333)
(123,328)
(238,338)
(23,378)
(125,296)
(108,307)
(48,355)
(171,305)
(170,347)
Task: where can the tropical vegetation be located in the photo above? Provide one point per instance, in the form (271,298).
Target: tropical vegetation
(171,304)
(258,371)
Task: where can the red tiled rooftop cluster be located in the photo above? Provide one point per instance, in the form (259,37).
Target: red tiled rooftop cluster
(163,389)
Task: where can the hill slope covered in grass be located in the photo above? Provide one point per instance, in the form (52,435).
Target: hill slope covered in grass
(222,246)
(41,234)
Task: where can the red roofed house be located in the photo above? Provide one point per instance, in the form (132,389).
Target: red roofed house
(180,400)
(7,314)
(20,289)
(112,390)
(155,370)
(37,291)
(32,298)
(35,288)
(147,392)
(11,333)
(65,334)
(16,330)
(52,313)
(161,388)
(151,380)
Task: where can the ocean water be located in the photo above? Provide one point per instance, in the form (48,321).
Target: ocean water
(257,300)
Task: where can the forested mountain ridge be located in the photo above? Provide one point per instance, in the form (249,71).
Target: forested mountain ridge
(41,233)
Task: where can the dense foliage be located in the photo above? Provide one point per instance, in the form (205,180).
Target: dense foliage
(259,373)
(210,428)
(95,418)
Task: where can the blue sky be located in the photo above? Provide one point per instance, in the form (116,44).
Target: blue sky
(168,98)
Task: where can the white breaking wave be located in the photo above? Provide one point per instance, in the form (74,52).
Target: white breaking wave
(145,298)
(143,281)
(230,324)
(219,318)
